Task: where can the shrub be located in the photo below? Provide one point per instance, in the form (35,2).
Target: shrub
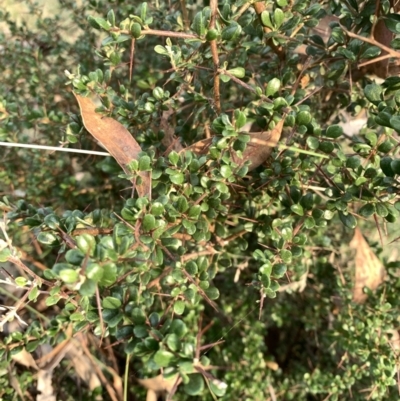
(218,255)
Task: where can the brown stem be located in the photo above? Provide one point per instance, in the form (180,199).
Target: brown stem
(214,53)
(132,58)
(185,15)
(250,88)
(166,33)
(259,7)
(392,52)
(98,302)
(27,270)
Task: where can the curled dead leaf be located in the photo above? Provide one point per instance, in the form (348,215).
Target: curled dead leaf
(118,141)
(159,386)
(369,271)
(257,151)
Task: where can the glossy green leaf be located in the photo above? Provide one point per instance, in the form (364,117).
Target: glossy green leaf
(273,87)
(163,358)
(348,220)
(111,303)
(373,92)
(69,276)
(179,307)
(195,386)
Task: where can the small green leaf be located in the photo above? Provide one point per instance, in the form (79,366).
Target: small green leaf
(161,50)
(86,243)
(97,23)
(140,331)
(173,342)
(303,118)
(173,157)
(163,358)
(33,294)
(226,171)
(47,238)
(386,166)
(266,19)
(195,386)
(198,24)
(21,281)
(144,163)
(138,316)
(326,147)
(111,303)
(194,212)
(143,11)
(279,17)
(371,52)
(88,288)
(279,269)
(212,292)
(381,210)
(5,254)
(149,222)
(298,209)
(182,204)
(179,307)
(395,166)
(373,92)
(312,142)
(177,178)
(157,209)
(216,386)
(94,272)
(238,72)
(286,257)
(348,220)
(353,162)
(334,131)
(231,32)
(178,327)
(69,276)
(240,119)
(111,17)
(280,102)
(273,87)
(109,274)
(52,300)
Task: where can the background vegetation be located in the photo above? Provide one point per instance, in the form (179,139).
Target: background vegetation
(228,252)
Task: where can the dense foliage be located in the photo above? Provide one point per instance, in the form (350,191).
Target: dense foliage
(233,275)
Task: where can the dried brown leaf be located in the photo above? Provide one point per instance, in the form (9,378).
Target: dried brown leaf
(25,358)
(369,271)
(200,147)
(169,140)
(115,138)
(159,386)
(257,151)
(260,146)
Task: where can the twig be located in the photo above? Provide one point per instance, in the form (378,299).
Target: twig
(375,60)
(27,270)
(214,52)
(250,88)
(157,32)
(132,58)
(98,302)
(185,14)
(259,7)
(392,52)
